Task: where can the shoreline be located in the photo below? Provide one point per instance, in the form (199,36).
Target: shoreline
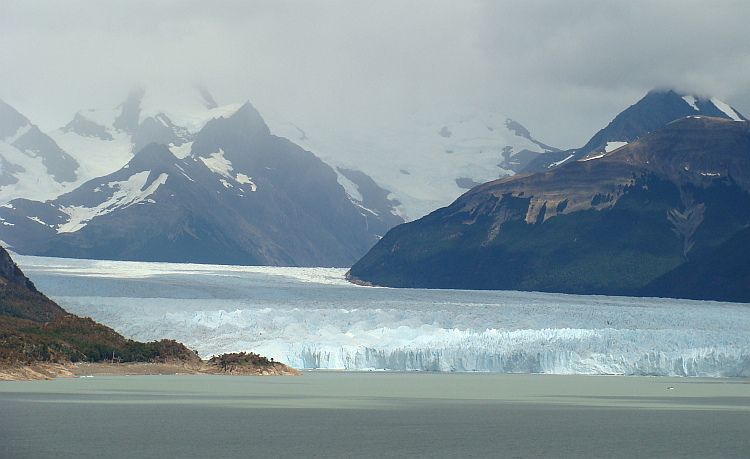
(48,371)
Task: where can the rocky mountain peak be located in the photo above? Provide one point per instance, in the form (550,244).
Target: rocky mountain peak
(129,117)
(655,110)
(10,120)
(153,156)
(694,149)
(243,127)
(249,117)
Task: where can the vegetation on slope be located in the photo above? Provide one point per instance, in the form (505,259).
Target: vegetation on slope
(615,251)
(34,328)
(612,225)
(71,338)
(721,275)
(36,333)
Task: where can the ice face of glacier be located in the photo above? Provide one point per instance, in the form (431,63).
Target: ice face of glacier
(312,318)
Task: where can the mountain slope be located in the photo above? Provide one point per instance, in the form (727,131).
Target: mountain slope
(104,140)
(426,162)
(655,110)
(40,340)
(33,329)
(607,225)
(723,274)
(241,196)
(32,165)
(18,296)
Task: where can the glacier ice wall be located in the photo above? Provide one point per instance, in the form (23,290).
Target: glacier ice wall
(312,318)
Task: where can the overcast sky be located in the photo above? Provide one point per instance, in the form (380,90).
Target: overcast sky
(563,69)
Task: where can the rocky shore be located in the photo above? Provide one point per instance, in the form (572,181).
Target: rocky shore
(42,371)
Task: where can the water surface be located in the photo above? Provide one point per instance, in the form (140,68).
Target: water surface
(376,414)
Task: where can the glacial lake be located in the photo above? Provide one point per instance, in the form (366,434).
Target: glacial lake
(337,414)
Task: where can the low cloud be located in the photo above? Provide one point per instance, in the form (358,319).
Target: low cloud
(562,69)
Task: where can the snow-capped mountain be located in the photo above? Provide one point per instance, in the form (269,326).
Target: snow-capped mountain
(657,109)
(233,194)
(32,165)
(423,165)
(639,220)
(104,140)
(429,161)
(40,167)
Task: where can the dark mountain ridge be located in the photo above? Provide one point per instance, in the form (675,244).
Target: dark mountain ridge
(654,111)
(608,225)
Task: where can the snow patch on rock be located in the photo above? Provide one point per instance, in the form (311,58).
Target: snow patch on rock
(691,101)
(217,163)
(33,180)
(612,146)
(20,132)
(726,109)
(561,162)
(126,193)
(96,157)
(183,151)
(243,179)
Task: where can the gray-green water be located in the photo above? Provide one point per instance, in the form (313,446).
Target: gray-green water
(375,414)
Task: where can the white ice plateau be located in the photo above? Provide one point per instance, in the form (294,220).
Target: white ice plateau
(313,318)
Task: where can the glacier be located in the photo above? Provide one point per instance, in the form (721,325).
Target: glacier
(313,318)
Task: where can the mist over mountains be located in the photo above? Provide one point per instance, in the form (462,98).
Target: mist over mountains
(107,173)
(233,193)
(196,181)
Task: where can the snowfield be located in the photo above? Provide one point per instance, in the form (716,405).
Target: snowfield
(313,318)
(125,194)
(417,161)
